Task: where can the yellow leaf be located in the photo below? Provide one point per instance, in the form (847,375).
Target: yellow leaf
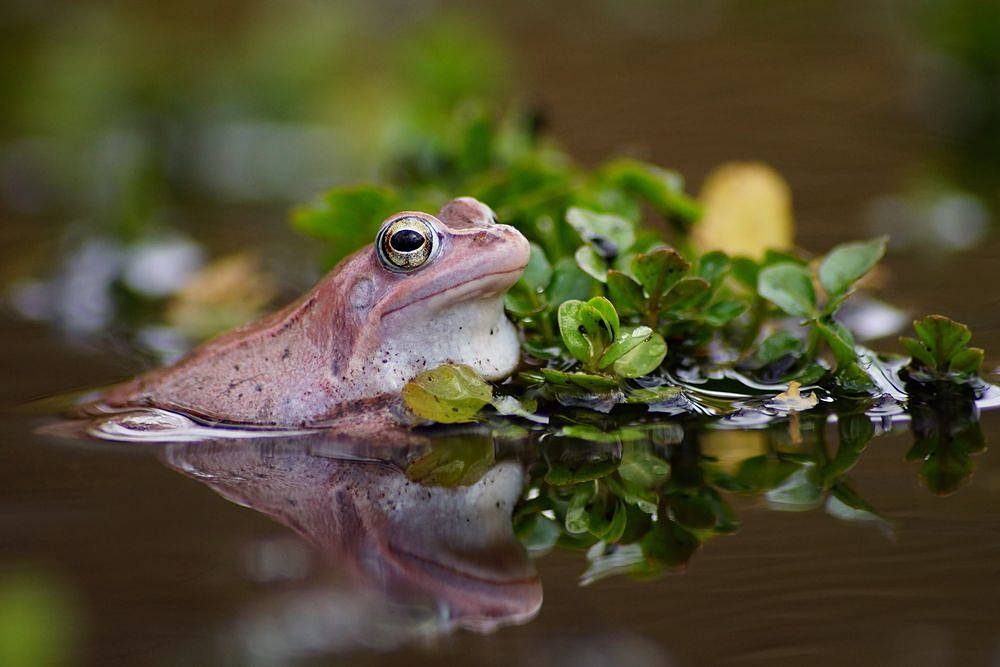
(747,210)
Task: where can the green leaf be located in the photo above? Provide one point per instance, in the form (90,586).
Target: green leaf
(569,282)
(789,286)
(587,329)
(609,235)
(652,395)
(746,271)
(642,468)
(585,381)
(577,517)
(968,361)
(722,312)
(642,359)
(447,394)
(669,544)
(571,460)
(579,325)
(777,346)
(848,262)
(685,291)
(850,506)
(538,272)
(712,266)
(625,293)
(695,511)
(591,263)
(347,216)
(628,339)
(453,462)
(663,189)
(608,314)
(840,340)
(608,528)
(659,270)
(942,346)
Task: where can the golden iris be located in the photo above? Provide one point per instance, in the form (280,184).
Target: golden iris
(406,243)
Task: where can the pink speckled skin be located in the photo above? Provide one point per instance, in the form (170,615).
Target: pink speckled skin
(346,347)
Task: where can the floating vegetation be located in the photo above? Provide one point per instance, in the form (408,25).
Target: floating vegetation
(625,301)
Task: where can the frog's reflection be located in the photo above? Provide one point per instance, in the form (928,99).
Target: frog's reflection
(451,550)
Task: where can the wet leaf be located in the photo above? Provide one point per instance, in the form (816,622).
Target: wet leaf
(789,286)
(628,339)
(588,328)
(652,395)
(642,358)
(585,381)
(447,394)
(848,262)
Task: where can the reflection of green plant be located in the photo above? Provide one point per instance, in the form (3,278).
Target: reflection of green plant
(946,432)
(642,499)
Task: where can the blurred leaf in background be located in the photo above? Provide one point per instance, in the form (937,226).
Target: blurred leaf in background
(41,623)
(128,124)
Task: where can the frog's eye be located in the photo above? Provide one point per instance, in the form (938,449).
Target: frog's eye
(406,243)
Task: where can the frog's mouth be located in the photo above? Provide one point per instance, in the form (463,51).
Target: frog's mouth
(483,286)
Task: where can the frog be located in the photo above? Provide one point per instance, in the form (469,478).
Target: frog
(428,291)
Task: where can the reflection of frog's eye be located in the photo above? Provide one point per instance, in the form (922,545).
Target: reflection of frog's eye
(405,244)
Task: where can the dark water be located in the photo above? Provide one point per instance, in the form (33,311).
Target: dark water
(148,566)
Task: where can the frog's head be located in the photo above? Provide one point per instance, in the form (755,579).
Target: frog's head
(430,291)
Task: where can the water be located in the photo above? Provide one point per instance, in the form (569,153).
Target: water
(127,554)
(162,569)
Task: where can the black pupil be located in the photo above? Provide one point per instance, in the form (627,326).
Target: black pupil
(406,240)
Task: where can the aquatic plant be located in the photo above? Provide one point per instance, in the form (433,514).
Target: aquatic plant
(626,298)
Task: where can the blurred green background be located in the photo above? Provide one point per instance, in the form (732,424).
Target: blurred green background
(133,133)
